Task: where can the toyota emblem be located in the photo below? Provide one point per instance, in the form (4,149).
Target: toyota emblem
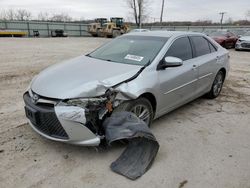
(35,98)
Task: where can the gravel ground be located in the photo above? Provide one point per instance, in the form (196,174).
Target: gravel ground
(205,143)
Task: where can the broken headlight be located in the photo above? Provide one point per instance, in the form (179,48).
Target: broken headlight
(86,102)
(95,108)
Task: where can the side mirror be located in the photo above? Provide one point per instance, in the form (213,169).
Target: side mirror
(169,62)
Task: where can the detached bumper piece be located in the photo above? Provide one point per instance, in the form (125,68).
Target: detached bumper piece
(142,148)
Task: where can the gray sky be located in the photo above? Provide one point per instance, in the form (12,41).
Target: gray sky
(175,10)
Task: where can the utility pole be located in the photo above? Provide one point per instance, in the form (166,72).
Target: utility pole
(162,8)
(222,16)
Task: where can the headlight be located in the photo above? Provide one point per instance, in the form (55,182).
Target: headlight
(239,41)
(86,102)
(100,106)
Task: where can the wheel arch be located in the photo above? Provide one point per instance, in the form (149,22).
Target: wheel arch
(224,72)
(151,99)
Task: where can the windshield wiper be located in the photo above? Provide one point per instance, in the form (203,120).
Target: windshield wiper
(88,55)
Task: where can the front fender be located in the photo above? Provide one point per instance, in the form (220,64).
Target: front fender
(144,83)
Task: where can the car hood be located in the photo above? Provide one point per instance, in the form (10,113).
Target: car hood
(81,77)
(247,38)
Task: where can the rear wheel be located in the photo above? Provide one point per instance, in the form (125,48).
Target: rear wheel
(217,85)
(141,107)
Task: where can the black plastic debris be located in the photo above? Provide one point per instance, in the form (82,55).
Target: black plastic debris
(142,147)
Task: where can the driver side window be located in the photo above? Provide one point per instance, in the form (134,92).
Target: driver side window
(181,48)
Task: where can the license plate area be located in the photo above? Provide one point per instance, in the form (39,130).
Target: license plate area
(32,114)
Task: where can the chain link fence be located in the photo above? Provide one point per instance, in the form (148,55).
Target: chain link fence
(78,29)
(45,28)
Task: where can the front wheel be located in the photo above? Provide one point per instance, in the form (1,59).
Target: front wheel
(217,85)
(116,33)
(141,107)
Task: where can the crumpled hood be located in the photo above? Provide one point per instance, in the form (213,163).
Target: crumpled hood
(81,77)
(246,38)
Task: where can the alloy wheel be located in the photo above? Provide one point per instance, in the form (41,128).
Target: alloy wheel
(218,82)
(142,112)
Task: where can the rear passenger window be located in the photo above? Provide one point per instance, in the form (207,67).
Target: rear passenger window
(212,48)
(201,46)
(180,48)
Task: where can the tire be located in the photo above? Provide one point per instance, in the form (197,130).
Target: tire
(217,85)
(138,106)
(116,33)
(98,33)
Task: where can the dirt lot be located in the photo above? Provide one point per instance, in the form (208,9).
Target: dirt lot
(206,143)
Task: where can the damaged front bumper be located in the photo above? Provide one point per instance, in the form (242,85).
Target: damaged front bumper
(242,45)
(86,121)
(61,123)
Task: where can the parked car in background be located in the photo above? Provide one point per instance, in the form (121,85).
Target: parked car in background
(226,39)
(58,33)
(146,73)
(243,43)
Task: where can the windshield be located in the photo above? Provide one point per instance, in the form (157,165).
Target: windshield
(136,50)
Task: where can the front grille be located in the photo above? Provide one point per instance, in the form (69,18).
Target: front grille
(44,118)
(245,45)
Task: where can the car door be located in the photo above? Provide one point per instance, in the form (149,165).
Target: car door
(178,84)
(206,58)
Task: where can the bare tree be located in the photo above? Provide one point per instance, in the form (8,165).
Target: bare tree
(132,5)
(61,17)
(22,14)
(9,14)
(139,10)
(3,15)
(43,16)
(162,9)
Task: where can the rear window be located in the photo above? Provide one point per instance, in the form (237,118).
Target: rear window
(201,46)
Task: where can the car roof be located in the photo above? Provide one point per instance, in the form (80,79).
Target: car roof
(167,34)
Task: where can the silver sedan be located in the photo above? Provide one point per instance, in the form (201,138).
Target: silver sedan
(147,73)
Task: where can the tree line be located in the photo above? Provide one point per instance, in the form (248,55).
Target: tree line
(139,11)
(25,15)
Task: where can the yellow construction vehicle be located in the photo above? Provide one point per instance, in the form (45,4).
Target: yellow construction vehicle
(94,28)
(114,28)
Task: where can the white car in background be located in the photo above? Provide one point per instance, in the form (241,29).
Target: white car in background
(243,42)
